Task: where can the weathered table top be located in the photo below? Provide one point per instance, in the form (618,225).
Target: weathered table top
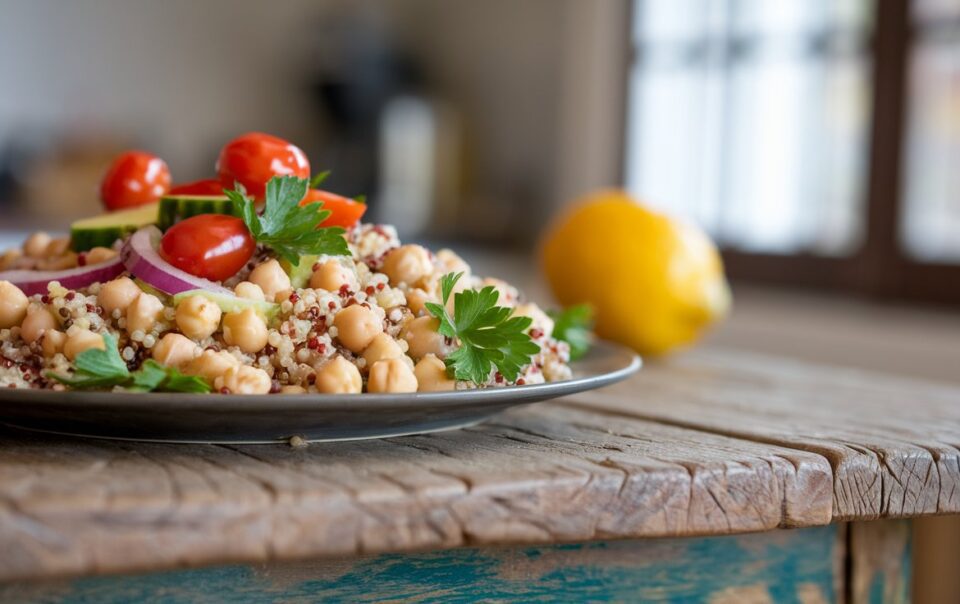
(712,442)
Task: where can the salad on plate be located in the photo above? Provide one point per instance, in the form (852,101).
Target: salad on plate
(258,281)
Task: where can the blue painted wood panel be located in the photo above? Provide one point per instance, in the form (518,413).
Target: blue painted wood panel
(782,566)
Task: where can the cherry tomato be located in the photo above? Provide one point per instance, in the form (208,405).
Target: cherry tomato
(254,158)
(346,212)
(212,246)
(134,178)
(207,186)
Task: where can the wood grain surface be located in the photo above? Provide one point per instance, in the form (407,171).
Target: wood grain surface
(892,443)
(708,444)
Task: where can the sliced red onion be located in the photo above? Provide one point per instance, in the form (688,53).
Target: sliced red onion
(141,258)
(35,282)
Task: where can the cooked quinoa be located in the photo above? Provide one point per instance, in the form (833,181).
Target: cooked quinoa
(359,326)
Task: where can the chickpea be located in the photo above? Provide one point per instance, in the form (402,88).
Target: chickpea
(391,375)
(382,347)
(540,319)
(210,365)
(339,376)
(332,275)
(245,329)
(283,294)
(143,313)
(432,289)
(407,264)
(423,339)
(82,339)
(197,317)
(431,375)
(117,294)
(13,305)
(450,262)
(52,342)
(9,258)
(249,291)
(175,350)
(57,247)
(417,300)
(38,321)
(36,245)
(508,294)
(271,278)
(293,390)
(244,379)
(59,263)
(356,326)
(100,254)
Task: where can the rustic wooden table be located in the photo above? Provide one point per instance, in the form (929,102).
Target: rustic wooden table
(711,453)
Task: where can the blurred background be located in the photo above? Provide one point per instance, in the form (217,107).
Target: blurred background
(817,141)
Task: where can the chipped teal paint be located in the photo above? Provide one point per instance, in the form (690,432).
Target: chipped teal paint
(784,564)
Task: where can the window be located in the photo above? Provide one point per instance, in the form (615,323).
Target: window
(816,140)
(752,119)
(930,230)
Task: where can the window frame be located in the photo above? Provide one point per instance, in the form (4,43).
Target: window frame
(880,267)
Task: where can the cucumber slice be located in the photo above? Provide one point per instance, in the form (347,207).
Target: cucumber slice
(174,208)
(300,274)
(267,310)
(143,285)
(105,229)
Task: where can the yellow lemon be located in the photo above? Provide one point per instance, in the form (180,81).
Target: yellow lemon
(656,283)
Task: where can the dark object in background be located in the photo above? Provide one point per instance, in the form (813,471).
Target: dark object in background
(50,176)
(359,70)
(7,179)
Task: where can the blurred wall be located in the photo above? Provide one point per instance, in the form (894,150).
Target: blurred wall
(176,76)
(537,84)
(542,83)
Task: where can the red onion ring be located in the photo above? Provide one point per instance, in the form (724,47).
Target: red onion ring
(140,257)
(36,282)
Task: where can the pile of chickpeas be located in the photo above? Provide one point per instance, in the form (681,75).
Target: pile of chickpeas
(185,337)
(42,252)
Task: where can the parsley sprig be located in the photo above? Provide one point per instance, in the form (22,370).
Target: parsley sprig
(287,227)
(489,337)
(96,369)
(574,325)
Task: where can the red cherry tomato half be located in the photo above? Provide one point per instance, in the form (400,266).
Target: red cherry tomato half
(345,212)
(212,246)
(207,186)
(253,159)
(134,178)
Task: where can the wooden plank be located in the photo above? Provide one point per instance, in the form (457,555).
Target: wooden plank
(880,562)
(892,442)
(779,566)
(934,555)
(543,474)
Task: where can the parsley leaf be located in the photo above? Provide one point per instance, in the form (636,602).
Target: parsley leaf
(178,382)
(317,180)
(574,325)
(149,377)
(152,376)
(287,227)
(489,336)
(105,362)
(102,369)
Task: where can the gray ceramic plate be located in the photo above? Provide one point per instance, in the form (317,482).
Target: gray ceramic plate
(275,418)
